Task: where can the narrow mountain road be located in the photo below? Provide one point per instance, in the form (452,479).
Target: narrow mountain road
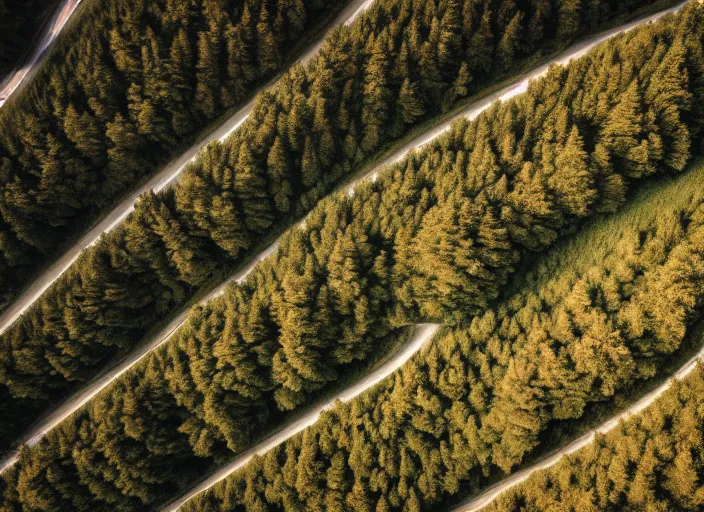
(51,31)
(480,501)
(73,403)
(422,334)
(49,421)
(164,179)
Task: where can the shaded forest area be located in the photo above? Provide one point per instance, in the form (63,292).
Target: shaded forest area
(650,462)
(314,128)
(603,313)
(20,21)
(125,91)
(435,238)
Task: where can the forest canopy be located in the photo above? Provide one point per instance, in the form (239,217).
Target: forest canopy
(652,461)
(136,81)
(129,85)
(604,311)
(436,237)
(315,127)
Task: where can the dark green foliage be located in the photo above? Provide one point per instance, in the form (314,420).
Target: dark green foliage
(604,311)
(20,24)
(435,238)
(130,84)
(133,83)
(304,135)
(650,462)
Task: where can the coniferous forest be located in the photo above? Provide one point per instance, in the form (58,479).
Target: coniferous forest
(556,238)
(138,80)
(586,323)
(125,91)
(20,21)
(437,238)
(651,462)
(317,126)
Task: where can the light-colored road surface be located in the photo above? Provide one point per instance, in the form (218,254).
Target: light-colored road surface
(164,179)
(421,335)
(425,332)
(73,403)
(480,501)
(51,30)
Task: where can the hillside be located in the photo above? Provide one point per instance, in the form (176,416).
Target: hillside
(275,166)
(434,238)
(587,322)
(649,462)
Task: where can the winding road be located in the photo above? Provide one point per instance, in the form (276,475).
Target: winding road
(159,182)
(164,179)
(51,31)
(520,86)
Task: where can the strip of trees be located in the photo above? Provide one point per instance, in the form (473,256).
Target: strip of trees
(129,86)
(650,462)
(600,315)
(400,63)
(20,21)
(436,238)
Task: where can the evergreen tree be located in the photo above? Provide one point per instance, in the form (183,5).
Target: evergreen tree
(267,51)
(568,19)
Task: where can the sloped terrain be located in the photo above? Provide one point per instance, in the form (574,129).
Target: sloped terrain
(436,238)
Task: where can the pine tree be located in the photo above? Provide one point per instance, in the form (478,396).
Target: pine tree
(572,181)
(622,133)
(568,20)
(267,51)
(460,88)
(410,106)
(278,169)
(450,41)
(125,146)
(181,78)
(481,45)
(251,190)
(207,74)
(301,365)
(83,130)
(510,41)
(309,480)
(310,167)
(376,95)
(538,23)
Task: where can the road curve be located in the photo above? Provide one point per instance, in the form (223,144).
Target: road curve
(164,179)
(422,334)
(51,31)
(480,501)
(73,403)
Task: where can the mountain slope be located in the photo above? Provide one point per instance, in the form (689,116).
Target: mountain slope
(274,342)
(313,129)
(587,322)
